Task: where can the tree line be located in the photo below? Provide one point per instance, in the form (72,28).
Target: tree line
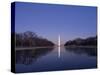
(90,41)
(30,39)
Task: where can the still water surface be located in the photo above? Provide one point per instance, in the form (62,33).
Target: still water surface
(47,59)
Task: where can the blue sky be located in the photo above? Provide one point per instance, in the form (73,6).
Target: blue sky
(48,20)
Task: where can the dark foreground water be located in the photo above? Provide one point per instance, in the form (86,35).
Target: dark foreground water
(47,59)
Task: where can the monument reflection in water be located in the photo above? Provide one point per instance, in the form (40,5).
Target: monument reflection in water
(47,59)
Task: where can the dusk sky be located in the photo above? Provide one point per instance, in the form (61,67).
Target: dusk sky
(49,20)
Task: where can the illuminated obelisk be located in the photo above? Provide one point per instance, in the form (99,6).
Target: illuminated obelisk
(59,46)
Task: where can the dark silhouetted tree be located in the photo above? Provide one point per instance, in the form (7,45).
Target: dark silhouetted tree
(30,39)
